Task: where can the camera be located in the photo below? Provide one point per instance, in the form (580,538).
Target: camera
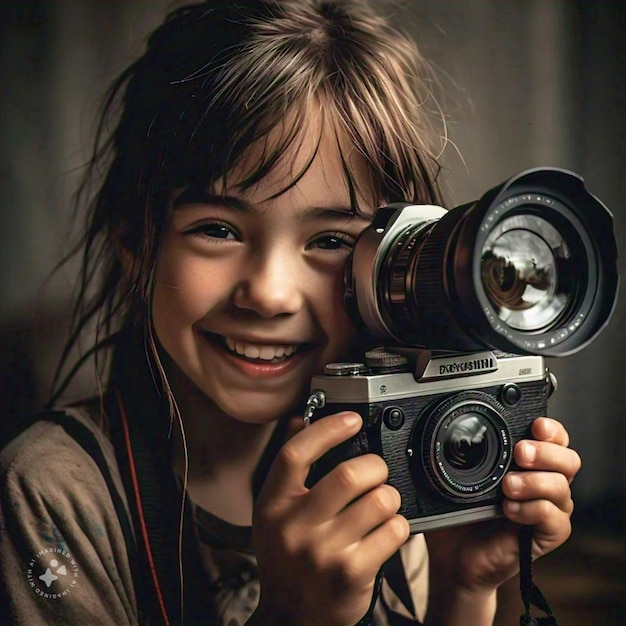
(460,308)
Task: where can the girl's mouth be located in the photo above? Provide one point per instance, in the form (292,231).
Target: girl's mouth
(257,352)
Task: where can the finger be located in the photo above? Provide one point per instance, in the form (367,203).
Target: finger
(378,546)
(551,486)
(362,516)
(547,429)
(293,461)
(552,525)
(354,566)
(542,455)
(343,484)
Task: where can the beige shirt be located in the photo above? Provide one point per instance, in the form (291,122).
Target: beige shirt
(63,558)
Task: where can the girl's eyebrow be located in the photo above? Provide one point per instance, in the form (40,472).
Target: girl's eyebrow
(200,196)
(328,212)
(196,195)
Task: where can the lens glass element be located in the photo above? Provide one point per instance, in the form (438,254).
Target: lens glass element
(465,445)
(520,265)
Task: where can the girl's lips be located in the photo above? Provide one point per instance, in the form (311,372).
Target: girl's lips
(276,366)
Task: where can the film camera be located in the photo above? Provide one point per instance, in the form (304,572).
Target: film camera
(466,304)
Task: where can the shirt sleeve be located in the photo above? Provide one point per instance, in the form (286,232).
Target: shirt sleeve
(63,557)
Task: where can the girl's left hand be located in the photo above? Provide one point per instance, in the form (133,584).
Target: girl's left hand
(477,558)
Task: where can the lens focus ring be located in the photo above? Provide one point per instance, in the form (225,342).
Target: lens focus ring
(466,445)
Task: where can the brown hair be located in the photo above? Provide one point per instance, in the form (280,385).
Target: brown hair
(218,76)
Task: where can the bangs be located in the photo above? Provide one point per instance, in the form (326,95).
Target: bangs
(291,145)
(395,170)
(260,96)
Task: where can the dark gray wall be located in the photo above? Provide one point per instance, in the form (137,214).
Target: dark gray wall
(525,83)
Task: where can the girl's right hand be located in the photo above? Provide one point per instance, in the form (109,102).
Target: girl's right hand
(319,549)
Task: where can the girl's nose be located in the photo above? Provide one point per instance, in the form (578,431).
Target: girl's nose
(272,286)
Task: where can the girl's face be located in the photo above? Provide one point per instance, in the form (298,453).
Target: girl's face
(248,293)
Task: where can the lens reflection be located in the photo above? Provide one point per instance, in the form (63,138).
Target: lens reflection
(520,265)
(465,445)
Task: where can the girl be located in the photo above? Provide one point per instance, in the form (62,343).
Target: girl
(254,141)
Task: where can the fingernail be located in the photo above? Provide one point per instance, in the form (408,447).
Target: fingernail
(548,429)
(351,419)
(515,482)
(529,452)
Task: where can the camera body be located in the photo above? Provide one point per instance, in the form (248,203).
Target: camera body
(467,304)
(447,431)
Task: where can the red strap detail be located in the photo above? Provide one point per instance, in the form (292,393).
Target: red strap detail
(142,521)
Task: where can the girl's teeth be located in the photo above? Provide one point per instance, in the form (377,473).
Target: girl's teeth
(263,352)
(252,352)
(267,353)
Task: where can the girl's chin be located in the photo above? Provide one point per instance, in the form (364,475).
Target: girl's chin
(254,414)
(248,407)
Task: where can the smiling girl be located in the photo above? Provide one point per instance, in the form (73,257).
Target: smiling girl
(255,139)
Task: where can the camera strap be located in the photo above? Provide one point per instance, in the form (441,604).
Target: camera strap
(393,572)
(366,620)
(531,595)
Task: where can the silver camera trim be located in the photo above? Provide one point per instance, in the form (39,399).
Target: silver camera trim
(455,518)
(389,223)
(377,387)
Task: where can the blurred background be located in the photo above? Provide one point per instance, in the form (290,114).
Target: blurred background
(524,83)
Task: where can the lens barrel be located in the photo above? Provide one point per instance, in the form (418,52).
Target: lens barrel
(529,268)
(466,446)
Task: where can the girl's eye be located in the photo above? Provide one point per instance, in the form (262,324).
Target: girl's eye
(332,242)
(215,230)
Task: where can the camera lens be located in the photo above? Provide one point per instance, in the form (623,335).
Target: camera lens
(465,444)
(524,267)
(529,268)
